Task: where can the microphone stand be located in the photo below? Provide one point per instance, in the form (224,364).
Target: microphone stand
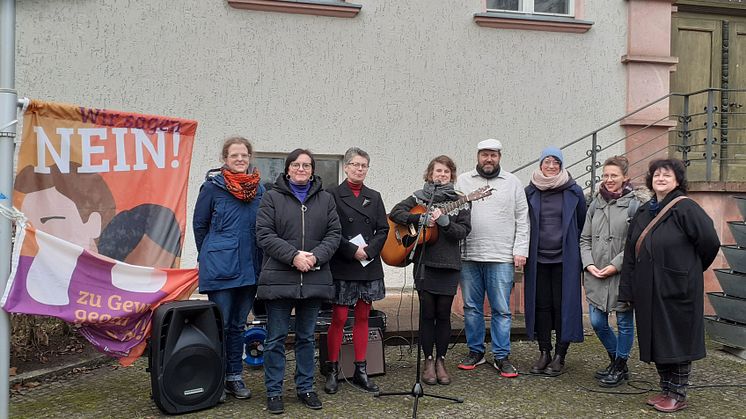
(417,390)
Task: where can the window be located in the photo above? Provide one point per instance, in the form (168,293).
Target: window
(552,7)
(536,15)
(271,165)
(333,8)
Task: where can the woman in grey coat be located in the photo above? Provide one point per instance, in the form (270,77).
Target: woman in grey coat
(602,252)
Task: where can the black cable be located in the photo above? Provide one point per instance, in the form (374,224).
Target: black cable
(652,387)
(401,299)
(397,337)
(640,390)
(453,345)
(401,351)
(411,321)
(716,386)
(398,325)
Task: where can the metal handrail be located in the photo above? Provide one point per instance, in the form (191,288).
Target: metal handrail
(683,127)
(596,131)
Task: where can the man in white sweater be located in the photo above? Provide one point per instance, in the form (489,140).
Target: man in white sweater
(496,246)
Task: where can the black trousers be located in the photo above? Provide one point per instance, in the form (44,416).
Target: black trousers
(435,328)
(674,378)
(549,307)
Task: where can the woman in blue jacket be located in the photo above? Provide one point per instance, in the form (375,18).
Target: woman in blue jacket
(556,208)
(229,258)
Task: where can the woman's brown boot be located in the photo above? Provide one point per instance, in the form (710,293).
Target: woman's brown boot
(440,371)
(428,372)
(541,364)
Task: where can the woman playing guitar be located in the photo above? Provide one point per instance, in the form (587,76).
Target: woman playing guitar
(438,262)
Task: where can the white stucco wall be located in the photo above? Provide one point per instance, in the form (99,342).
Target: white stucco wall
(405,80)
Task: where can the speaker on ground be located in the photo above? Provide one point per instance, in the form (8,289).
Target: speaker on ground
(186,357)
(375,355)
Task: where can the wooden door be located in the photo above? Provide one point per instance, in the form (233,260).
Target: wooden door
(733,152)
(697,42)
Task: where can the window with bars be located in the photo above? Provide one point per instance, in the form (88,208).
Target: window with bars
(270,165)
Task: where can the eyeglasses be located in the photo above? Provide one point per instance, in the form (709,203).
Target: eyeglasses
(550,162)
(363,166)
(305,166)
(610,177)
(239,155)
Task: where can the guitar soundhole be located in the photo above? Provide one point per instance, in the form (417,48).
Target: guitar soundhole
(408,240)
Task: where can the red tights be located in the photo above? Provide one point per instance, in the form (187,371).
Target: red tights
(359,330)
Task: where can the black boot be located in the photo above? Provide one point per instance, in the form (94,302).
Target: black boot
(618,374)
(604,372)
(360,377)
(541,364)
(555,367)
(332,378)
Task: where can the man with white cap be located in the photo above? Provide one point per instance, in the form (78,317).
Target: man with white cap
(496,246)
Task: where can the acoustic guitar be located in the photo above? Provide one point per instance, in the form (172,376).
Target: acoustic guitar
(402,238)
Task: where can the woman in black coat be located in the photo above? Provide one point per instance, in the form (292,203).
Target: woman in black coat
(298,229)
(438,264)
(356,267)
(664,281)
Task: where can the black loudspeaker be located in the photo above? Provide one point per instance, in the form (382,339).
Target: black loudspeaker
(375,355)
(186,358)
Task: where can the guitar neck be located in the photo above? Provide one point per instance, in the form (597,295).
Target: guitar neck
(454,204)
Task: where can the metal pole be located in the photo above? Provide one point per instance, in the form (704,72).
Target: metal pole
(708,141)
(594,159)
(685,132)
(8,114)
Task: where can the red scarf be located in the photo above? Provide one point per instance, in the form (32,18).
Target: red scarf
(242,185)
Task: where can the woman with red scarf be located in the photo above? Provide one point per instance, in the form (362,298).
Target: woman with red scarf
(229,258)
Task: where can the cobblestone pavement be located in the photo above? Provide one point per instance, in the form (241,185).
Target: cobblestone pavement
(115,392)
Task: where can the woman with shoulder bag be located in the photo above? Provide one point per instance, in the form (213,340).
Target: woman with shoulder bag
(670,243)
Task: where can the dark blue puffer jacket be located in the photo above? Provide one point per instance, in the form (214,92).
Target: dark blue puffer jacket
(285,226)
(225,233)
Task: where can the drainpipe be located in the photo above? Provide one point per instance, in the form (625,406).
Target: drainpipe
(8,117)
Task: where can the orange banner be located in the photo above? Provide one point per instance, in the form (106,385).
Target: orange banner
(111,182)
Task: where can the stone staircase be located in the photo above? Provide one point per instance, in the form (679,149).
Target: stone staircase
(728,325)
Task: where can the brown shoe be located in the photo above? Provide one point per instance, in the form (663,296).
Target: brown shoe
(428,372)
(670,405)
(440,371)
(656,399)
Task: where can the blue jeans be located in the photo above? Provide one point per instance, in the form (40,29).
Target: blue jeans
(619,345)
(278,323)
(234,305)
(496,279)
